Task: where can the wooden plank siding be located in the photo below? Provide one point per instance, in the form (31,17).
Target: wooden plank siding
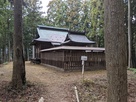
(53,58)
(37,51)
(71,59)
(96,60)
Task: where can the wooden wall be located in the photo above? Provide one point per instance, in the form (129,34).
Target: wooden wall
(39,46)
(53,58)
(71,59)
(37,51)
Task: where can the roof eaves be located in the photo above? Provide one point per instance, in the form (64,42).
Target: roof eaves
(87,42)
(74,48)
(76,32)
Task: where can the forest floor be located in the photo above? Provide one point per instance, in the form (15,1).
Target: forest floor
(58,86)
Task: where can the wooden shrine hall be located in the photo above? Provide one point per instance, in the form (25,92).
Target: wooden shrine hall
(62,49)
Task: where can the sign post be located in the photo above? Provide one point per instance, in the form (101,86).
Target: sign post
(83,58)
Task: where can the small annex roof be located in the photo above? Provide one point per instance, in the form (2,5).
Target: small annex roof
(79,38)
(87,49)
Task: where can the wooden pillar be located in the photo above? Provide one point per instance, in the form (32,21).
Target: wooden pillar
(33,51)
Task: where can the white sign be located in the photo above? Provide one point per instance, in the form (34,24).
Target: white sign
(84,58)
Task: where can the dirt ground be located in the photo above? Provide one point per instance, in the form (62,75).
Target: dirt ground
(59,85)
(56,86)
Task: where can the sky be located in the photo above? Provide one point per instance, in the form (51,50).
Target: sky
(44,5)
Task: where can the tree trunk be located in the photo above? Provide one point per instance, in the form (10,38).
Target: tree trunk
(0,55)
(18,76)
(129,37)
(116,48)
(3,54)
(28,54)
(9,52)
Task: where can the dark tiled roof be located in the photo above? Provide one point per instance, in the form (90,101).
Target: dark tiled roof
(58,36)
(52,35)
(79,38)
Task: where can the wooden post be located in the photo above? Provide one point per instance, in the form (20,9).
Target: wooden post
(83,58)
(77,97)
(33,51)
(83,69)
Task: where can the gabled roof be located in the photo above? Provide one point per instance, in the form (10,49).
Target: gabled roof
(52,34)
(59,36)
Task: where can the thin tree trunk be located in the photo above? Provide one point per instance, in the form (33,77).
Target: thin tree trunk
(18,76)
(6,54)
(116,51)
(9,52)
(0,56)
(27,54)
(129,36)
(3,54)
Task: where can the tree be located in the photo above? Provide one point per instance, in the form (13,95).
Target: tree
(130,20)
(97,22)
(6,30)
(85,17)
(115,45)
(57,13)
(64,13)
(133,32)
(31,18)
(18,76)
(129,36)
(73,14)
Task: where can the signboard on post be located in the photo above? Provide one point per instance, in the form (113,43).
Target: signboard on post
(83,58)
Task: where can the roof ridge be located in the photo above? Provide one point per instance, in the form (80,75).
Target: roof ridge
(51,27)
